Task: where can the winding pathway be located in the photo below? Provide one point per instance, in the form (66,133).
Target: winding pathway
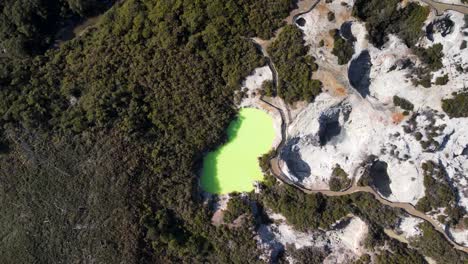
(440,8)
(275,166)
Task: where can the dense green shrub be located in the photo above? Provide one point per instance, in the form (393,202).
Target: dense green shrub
(310,255)
(269,88)
(236,207)
(343,49)
(456,106)
(442,80)
(294,67)
(264,160)
(403,103)
(439,193)
(431,57)
(399,253)
(311,211)
(434,245)
(384,17)
(110,128)
(28,27)
(339,179)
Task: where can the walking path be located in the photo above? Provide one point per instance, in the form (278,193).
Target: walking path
(440,8)
(275,166)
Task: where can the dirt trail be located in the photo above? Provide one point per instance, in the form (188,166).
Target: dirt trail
(275,166)
(440,8)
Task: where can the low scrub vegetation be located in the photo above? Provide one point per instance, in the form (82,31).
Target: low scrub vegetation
(456,106)
(434,245)
(264,160)
(384,17)
(439,193)
(442,80)
(398,253)
(237,206)
(311,211)
(294,67)
(103,136)
(343,49)
(403,103)
(431,57)
(339,179)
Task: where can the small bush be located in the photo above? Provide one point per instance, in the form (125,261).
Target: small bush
(403,103)
(339,179)
(442,80)
(431,57)
(438,192)
(235,208)
(331,16)
(269,88)
(342,49)
(264,160)
(456,106)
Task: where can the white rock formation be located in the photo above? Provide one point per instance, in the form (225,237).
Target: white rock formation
(375,126)
(409,227)
(345,244)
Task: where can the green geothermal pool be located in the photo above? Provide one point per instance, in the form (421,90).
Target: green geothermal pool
(234,166)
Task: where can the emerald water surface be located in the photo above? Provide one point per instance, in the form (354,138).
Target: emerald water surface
(234,166)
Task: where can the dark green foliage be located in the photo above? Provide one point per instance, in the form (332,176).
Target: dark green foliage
(269,88)
(442,80)
(27,27)
(311,211)
(292,204)
(364,259)
(339,179)
(418,136)
(236,207)
(383,17)
(431,57)
(109,130)
(456,106)
(403,103)
(264,160)
(294,67)
(310,255)
(434,245)
(399,253)
(342,48)
(439,193)
(65,197)
(167,235)
(423,77)
(432,61)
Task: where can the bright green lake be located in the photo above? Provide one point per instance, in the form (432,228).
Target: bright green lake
(234,166)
